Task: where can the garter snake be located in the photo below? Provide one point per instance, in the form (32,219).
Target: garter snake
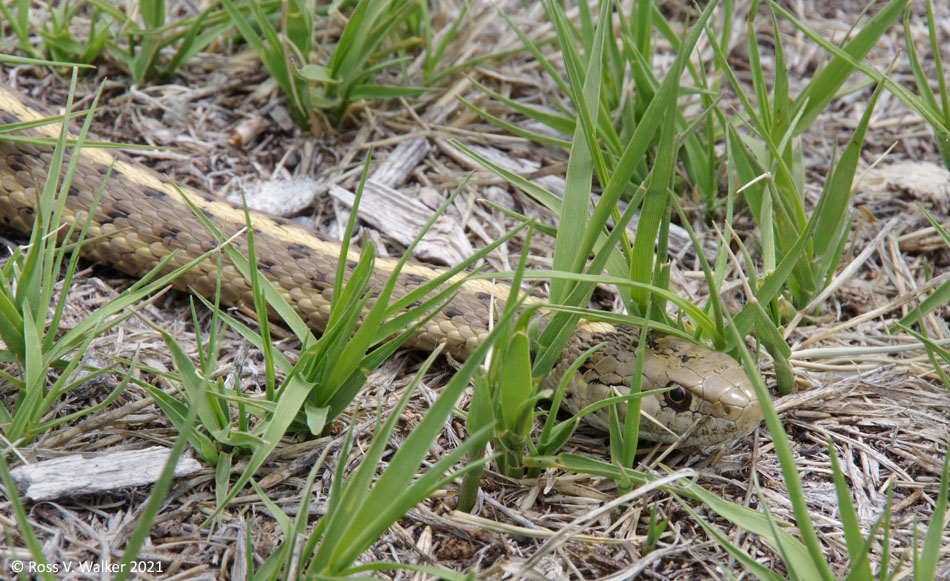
(141,218)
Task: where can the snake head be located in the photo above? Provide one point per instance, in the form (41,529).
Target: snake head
(710,398)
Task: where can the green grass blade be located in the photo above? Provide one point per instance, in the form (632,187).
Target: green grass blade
(582,160)
(787,462)
(348,540)
(925,567)
(857,551)
(515,129)
(832,209)
(939,297)
(655,207)
(821,90)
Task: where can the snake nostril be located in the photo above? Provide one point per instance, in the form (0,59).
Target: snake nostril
(678,397)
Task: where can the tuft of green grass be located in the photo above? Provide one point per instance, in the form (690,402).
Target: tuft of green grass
(363,505)
(81,32)
(320,91)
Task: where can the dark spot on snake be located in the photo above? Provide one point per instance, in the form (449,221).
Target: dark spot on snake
(165,231)
(208,213)
(16,162)
(298,251)
(452,312)
(483,296)
(8,118)
(117,212)
(209,198)
(630,336)
(651,343)
(352,264)
(266,264)
(678,398)
(153,193)
(413,278)
(414,305)
(108,170)
(280,221)
(684,357)
(72,191)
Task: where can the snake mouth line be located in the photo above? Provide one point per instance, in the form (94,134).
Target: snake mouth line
(142,219)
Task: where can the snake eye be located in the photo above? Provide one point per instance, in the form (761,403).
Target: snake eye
(678,398)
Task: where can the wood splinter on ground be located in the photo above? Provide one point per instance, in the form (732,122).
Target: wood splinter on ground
(89,474)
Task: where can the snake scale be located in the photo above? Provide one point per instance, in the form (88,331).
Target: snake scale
(141,218)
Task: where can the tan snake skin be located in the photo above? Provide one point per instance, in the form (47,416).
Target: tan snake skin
(141,218)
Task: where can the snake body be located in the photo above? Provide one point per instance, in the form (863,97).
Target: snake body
(141,219)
